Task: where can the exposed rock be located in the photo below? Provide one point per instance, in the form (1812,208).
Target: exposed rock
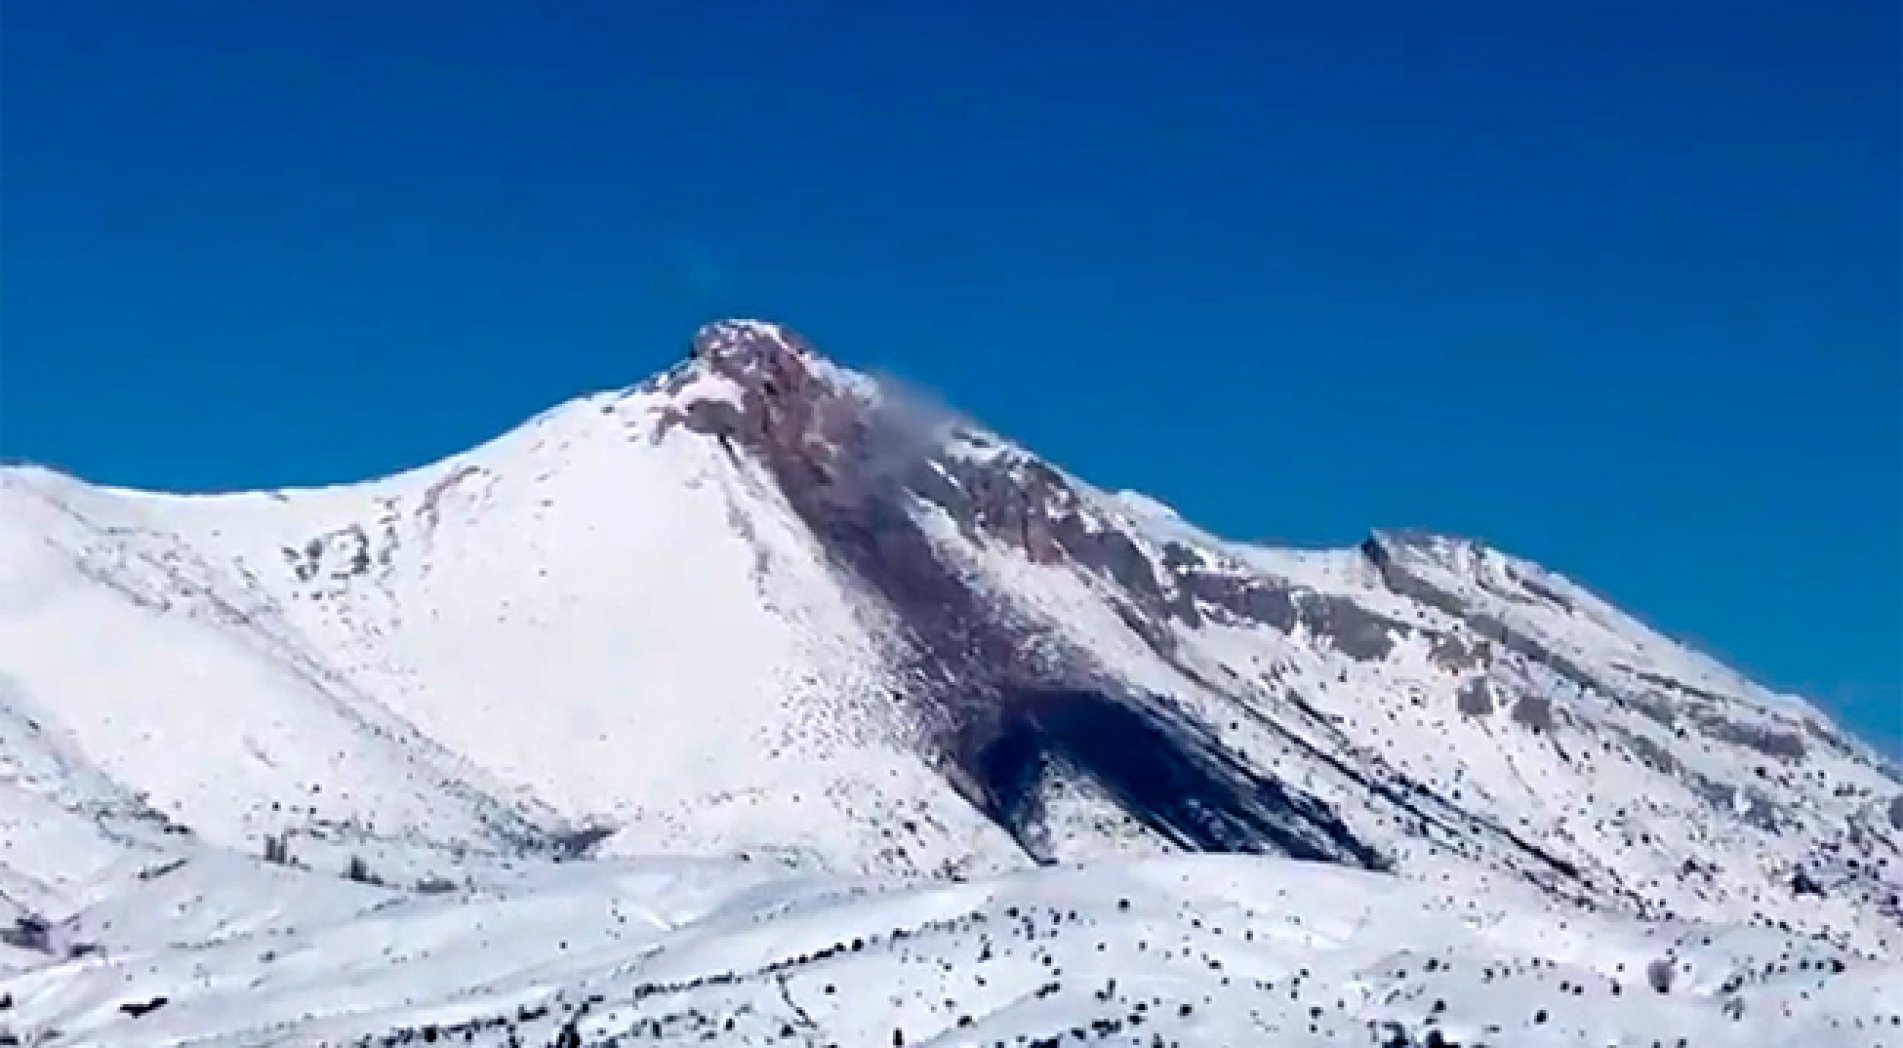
(1456,654)
(1541,590)
(1802,883)
(998,707)
(1356,632)
(1772,742)
(1380,551)
(1161,770)
(1534,712)
(1243,599)
(1475,698)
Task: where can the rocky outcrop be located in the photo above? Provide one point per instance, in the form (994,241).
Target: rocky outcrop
(1000,699)
(1006,699)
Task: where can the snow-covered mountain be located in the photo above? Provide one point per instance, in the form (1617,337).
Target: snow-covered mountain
(760,609)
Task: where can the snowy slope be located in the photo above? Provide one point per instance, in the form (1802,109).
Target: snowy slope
(1204,950)
(759,606)
(579,621)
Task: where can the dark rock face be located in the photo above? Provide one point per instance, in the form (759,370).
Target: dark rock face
(1534,712)
(1026,504)
(1382,552)
(1163,771)
(1005,703)
(1475,698)
(1650,753)
(1530,648)
(1242,599)
(1653,706)
(1702,707)
(1543,591)
(1379,551)
(998,698)
(1456,654)
(1784,745)
(1357,633)
(28,932)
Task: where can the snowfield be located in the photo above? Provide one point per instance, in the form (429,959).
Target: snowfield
(1200,950)
(754,704)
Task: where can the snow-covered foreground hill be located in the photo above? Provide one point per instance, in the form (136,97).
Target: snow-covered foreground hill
(1204,950)
(761,611)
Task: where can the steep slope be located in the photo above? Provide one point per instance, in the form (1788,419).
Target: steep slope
(586,619)
(760,604)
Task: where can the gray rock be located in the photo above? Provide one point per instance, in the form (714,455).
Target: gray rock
(1475,698)
(1534,712)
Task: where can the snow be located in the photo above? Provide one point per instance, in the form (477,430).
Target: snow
(1204,950)
(607,719)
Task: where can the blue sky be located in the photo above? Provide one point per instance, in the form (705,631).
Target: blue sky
(1611,285)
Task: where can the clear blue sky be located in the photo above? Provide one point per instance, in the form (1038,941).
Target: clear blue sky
(1611,285)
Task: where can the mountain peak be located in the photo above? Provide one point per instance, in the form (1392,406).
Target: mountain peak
(744,344)
(754,381)
(762,606)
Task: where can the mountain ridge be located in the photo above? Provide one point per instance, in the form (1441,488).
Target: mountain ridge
(890,579)
(668,712)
